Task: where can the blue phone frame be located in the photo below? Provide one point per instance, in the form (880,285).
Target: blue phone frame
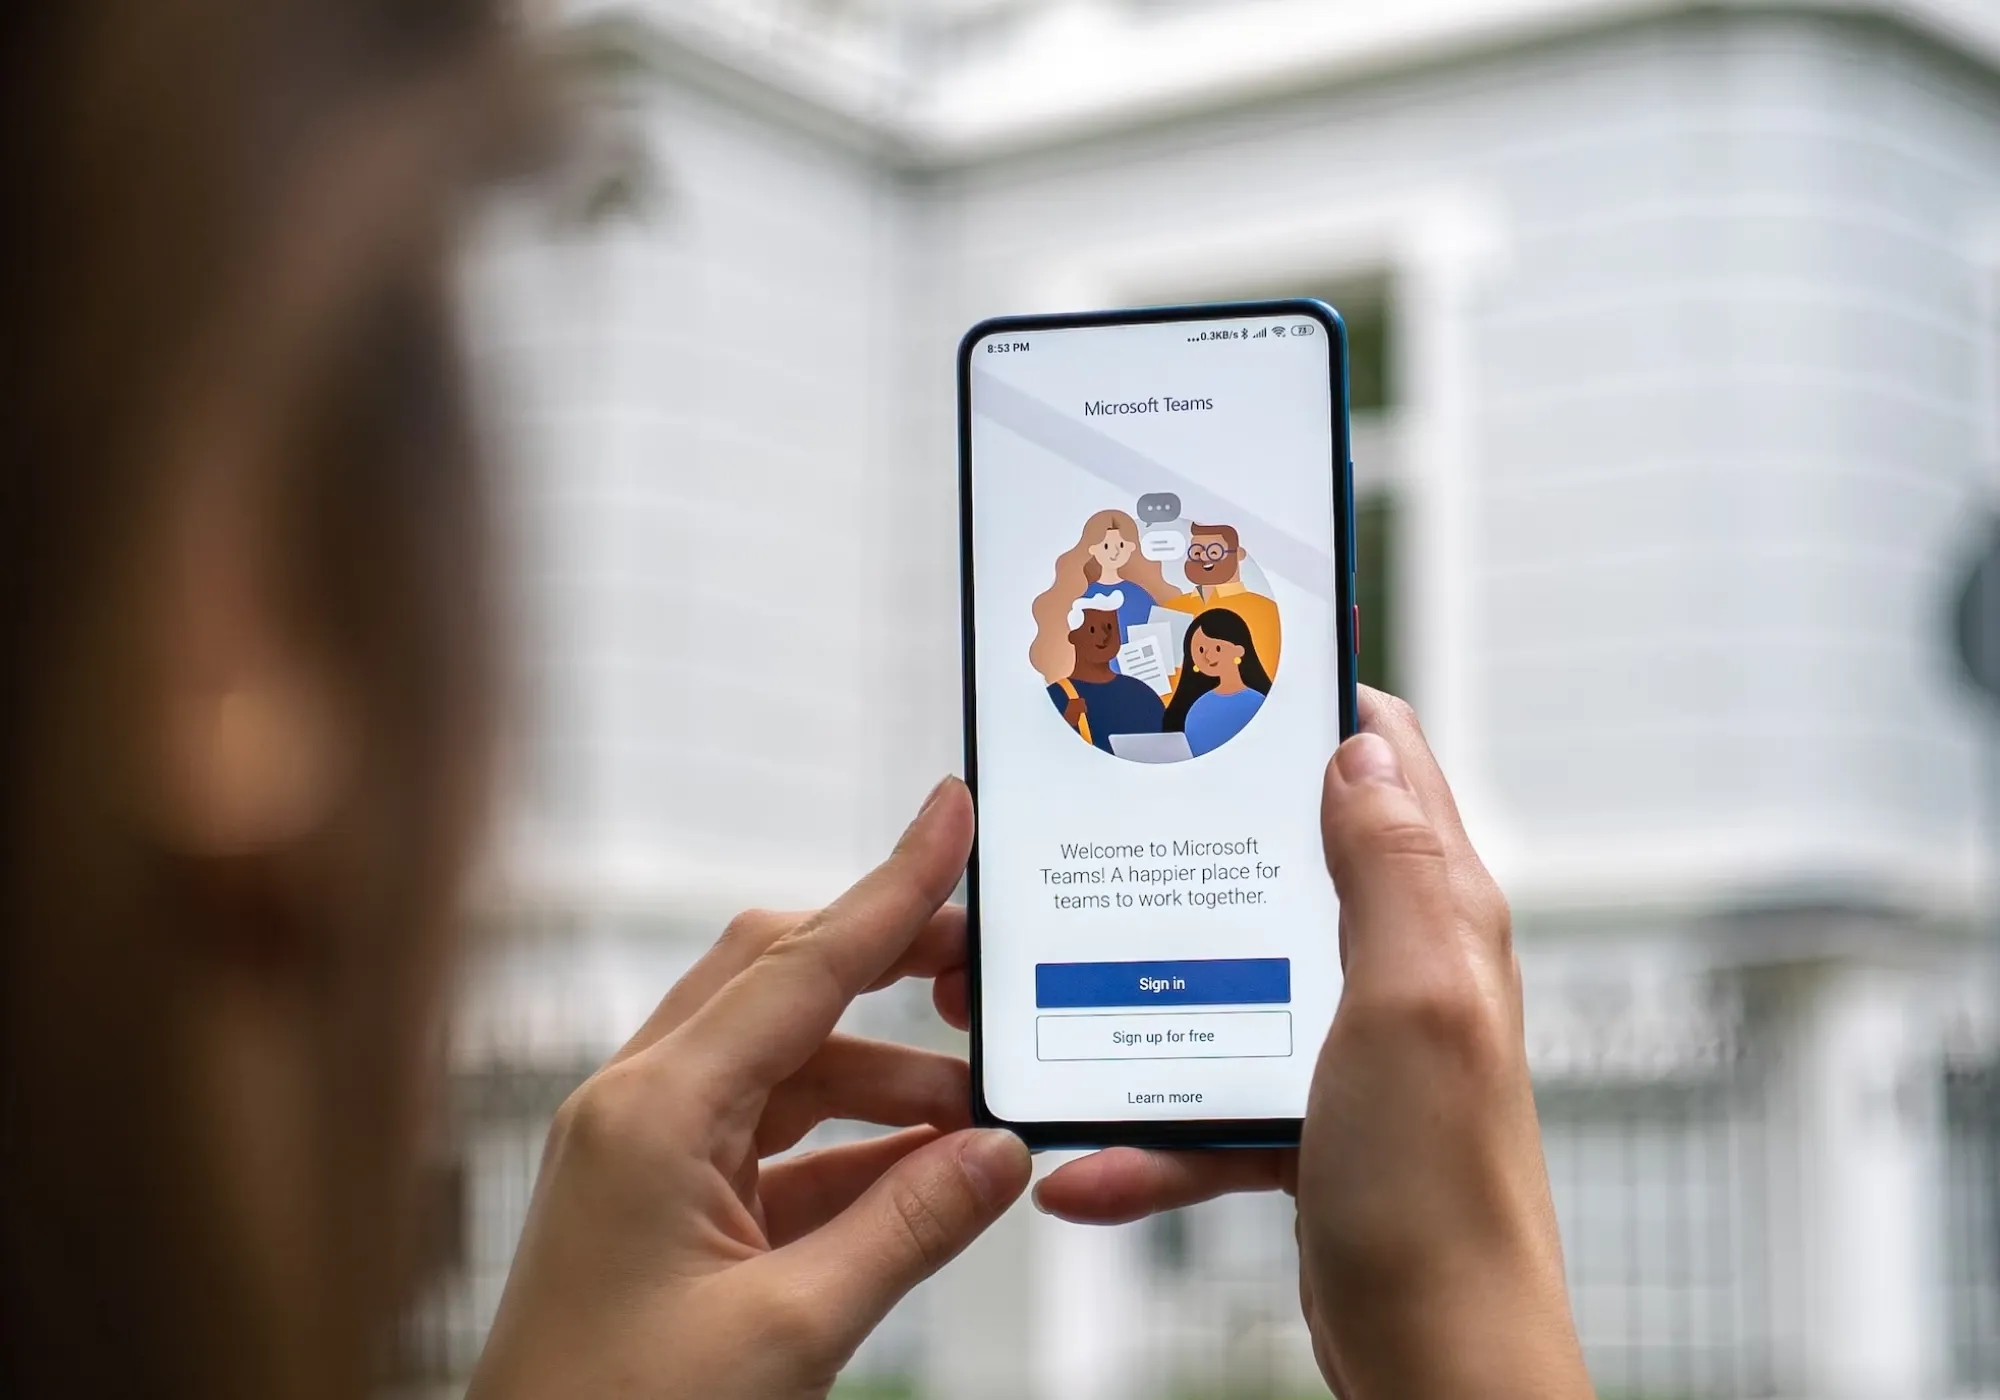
(1164,1133)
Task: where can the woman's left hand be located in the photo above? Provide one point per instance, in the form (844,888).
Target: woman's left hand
(663,1257)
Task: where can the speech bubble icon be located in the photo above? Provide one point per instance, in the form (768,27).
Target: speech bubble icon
(1163,545)
(1157,507)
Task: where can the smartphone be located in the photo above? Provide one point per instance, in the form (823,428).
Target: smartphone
(1157,588)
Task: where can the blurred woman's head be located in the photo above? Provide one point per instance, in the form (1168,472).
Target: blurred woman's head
(244,724)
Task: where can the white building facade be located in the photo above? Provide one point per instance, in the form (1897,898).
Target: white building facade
(1686,419)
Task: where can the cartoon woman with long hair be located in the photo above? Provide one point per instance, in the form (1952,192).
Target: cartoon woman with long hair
(1222,682)
(1106,560)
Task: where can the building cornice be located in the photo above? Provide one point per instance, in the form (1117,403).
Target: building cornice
(848,109)
(1090,70)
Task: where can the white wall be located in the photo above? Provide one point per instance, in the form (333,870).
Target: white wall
(700,399)
(1733,439)
(1690,316)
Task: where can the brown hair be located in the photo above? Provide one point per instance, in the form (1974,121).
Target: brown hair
(1051,652)
(269,174)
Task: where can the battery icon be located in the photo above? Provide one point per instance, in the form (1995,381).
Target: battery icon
(1306,329)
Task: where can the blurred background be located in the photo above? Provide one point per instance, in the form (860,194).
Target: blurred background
(1675,330)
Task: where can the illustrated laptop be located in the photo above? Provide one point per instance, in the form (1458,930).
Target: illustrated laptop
(1152,748)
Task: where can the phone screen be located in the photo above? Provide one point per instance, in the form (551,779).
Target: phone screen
(1157,669)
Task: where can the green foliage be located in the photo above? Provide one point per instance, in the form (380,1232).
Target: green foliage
(1375,520)
(604,53)
(875,1390)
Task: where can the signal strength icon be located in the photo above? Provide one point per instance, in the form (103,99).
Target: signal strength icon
(1261,334)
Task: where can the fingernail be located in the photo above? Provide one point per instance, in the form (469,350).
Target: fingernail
(1368,760)
(929,802)
(1035,1196)
(935,793)
(995,1163)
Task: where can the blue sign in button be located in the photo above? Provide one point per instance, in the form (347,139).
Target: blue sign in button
(1216,982)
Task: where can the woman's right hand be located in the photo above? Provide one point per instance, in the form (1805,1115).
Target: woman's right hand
(1429,1260)
(669,1252)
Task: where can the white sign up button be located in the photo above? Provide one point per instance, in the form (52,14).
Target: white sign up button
(1166,1035)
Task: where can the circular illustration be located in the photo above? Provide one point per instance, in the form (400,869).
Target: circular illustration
(1158,639)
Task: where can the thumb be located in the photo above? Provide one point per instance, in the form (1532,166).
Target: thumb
(919,1217)
(1385,854)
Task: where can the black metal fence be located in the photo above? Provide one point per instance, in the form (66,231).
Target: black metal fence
(1664,1188)
(500,1119)
(1660,1189)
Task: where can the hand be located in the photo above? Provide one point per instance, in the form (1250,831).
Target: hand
(1074,712)
(1428,1255)
(662,1259)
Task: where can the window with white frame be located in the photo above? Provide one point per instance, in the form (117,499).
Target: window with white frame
(1367,304)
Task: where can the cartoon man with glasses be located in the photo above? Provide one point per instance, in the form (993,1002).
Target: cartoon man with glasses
(1213,564)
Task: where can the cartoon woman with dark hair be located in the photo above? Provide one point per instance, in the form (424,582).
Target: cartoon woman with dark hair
(1104,562)
(1222,683)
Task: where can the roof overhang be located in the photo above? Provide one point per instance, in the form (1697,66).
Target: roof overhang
(1089,70)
